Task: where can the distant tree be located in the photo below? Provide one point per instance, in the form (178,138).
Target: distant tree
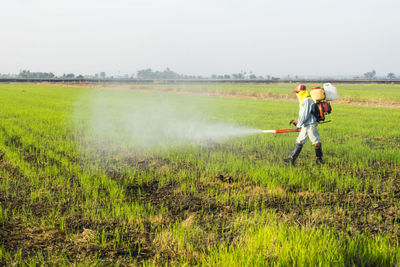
(214,76)
(370,75)
(144,74)
(24,74)
(169,74)
(238,75)
(150,74)
(227,76)
(391,76)
(80,76)
(252,76)
(102,75)
(69,75)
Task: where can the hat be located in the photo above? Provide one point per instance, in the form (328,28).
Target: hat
(299,88)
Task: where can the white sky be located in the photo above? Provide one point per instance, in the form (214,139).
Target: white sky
(303,37)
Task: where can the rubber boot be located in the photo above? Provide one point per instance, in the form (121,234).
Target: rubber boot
(318,153)
(294,154)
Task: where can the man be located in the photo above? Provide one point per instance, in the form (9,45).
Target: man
(307,123)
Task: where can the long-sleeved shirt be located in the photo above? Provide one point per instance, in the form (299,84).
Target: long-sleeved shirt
(305,115)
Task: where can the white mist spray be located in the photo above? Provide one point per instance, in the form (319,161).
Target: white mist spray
(149,121)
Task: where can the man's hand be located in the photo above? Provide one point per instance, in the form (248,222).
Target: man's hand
(294,122)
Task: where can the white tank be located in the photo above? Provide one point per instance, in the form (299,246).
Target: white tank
(330,92)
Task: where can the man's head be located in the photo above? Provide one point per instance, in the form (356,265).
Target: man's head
(302,93)
(300,87)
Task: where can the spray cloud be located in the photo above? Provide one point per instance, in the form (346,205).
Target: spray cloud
(149,121)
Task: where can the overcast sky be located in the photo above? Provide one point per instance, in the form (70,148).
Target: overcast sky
(296,37)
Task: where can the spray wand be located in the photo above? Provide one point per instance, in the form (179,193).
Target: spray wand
(293,130)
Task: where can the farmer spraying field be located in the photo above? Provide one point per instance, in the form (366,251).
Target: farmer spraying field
(307,123)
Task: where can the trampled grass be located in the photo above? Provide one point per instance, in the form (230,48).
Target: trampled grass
(76,187)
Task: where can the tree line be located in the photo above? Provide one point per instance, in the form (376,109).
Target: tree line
(27,74)
(170,74)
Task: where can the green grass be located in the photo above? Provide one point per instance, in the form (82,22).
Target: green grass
(285,245)
(78,190)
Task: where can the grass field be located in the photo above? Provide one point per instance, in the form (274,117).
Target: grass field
(348,92)
(78,185)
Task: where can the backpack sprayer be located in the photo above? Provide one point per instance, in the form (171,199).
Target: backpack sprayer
(322,98)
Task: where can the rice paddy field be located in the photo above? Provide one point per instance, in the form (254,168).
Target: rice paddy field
(123,175)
